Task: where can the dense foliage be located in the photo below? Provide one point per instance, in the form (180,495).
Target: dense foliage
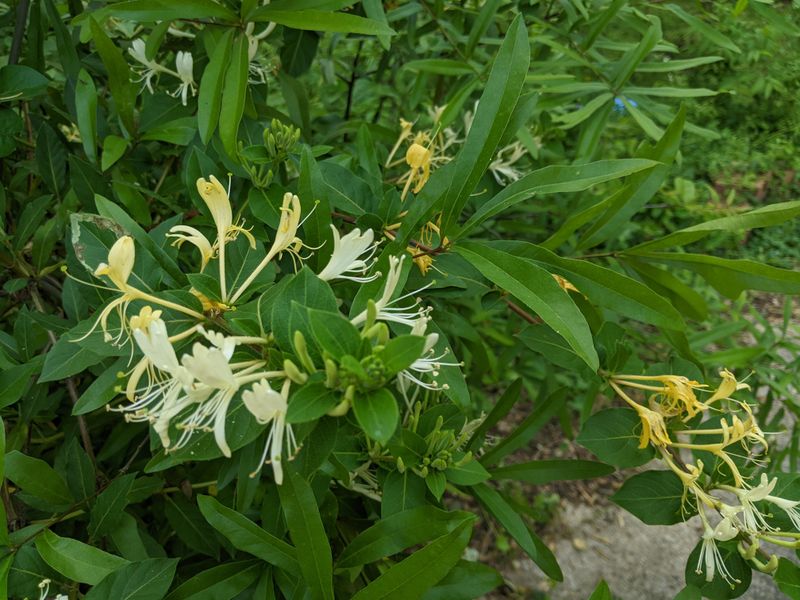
(274,273)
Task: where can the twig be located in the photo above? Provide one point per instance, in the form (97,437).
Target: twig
(515,308)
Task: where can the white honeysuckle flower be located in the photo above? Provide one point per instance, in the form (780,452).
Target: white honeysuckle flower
(225,344)
(166,392)
(502,167)
(186,233)
(387,308)
(267,406)
(150,69)
(257,73)
(346,261)
(710,560)
(211,368)
(787,506)
(184,63)
(752,518)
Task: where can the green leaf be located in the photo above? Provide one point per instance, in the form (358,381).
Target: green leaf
(501,408)
(501,510)
(679,64)
(377,414)
(788,578)
(400,352)
(764,216)
(601,592)
(730,277)
(604,287)
(552,180)
(655,497)
(402,491)
(119,74)
(494,112)
(109,506)
(37,478)
(234,93)
(631,59)
(439,66)
(465,581)
(706,31)
(640,188)
(310,402)
(419,572)
(86,108)
(570,120)
(19,82)
(101,391)
(190,525)
(398,532)
(247,536)
(75,560)
(334,334)
(670,92)
(538,290)
(308,291)
(613,436)
(209,100)
(539,472)
(65,359)
(308,534)
(319,20)
(167,10)
(470,473)
(222,582)
(146,580)
(114,148)
(51,160)
(15,380)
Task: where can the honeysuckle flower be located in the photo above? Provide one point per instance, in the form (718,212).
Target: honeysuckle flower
(654,429)
(502,167)
(285,239)
(347,260)
(150,68)
(165,393)
(121,258)
(728,386)
(184,63)
(257,74)
(789,507)
(419,159)
(752,519)
(385,306)
(185,233)
(269,406)
(405,132)
(675,397)
(710,559)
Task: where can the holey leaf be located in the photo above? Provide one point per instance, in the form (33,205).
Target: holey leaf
(538,290)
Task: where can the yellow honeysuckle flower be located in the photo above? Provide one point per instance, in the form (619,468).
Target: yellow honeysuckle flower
(419,158)
(728,386)
(119,267)
(285,239)
(654,429)
(676,397)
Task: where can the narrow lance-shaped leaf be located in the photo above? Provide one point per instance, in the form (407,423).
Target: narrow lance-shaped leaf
(555,179)
(209,100)
(308,534)
(493,114)
(538,290)
(234,92)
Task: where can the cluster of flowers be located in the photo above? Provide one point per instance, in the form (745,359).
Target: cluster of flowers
(673,401)
(427,149)
(193,393)
(149,68)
